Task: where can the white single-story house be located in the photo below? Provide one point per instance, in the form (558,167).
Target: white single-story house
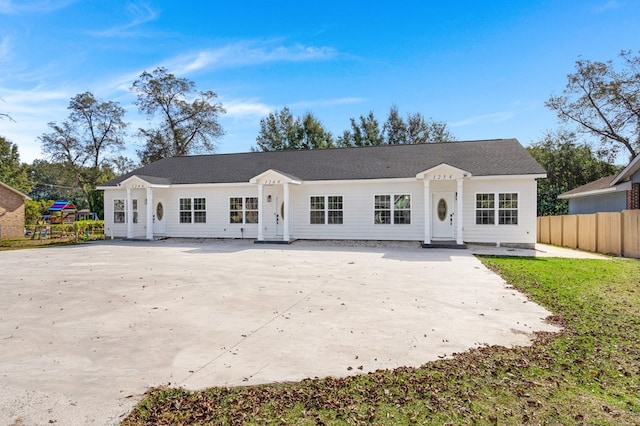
(457,192)
(613,193)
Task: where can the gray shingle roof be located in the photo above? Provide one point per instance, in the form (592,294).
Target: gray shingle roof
(596,185)
(480,158)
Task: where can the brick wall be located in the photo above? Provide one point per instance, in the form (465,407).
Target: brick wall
(11,214)
(633,197)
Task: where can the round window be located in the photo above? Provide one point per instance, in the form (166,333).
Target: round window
(442,209)
(159,211)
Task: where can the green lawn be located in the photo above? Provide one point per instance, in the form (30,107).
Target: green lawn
(587,374)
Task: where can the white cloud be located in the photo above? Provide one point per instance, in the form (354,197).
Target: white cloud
(251,109)
(248,53)
(496,117)
(5,47)
(32,110)
(327,102)
(246,109)
(609,5)
(17,7)
(141,12)
(228,56)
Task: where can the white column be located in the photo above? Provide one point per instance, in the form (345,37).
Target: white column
(287,216)
(260,213)
(427,213)
(150,214)
(459,220)
(129,214)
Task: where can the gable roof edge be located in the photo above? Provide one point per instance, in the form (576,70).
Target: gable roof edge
(631,168)
(12,189)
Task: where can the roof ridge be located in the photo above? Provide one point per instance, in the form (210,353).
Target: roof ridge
(335,148)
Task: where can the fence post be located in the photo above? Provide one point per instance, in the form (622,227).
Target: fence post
(595,237)
(621,233)
(577,231)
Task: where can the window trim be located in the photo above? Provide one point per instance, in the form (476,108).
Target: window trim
(122,211)
(509,209)
(477,209)
(134,205)
(392,208)
(326,210)
(196,215)
(199,214)
(497,209)
(244,211)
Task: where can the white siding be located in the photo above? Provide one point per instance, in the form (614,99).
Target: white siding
(522,233)
(119,230)
(358,202)
(216,226)
(358,216)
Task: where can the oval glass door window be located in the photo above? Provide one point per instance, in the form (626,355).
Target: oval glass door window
(442,209)
(159,211)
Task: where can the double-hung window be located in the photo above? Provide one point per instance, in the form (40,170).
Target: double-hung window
(506,209)
(243,210)
(193,210)
(134,202)
(326,210)
(392,209)
(118,211)
(200,210)
(485,209)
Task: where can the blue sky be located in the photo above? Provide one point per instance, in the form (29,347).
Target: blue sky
(483,67)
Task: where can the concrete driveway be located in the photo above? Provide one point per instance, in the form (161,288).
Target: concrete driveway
(85,330)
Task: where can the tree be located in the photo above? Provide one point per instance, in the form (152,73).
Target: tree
(12,171)
(85,143)
(395,129)
(35,209)
(278,131)
(604,102)
(186,126)
(569,164)
(364,132)
(313,135)
(281,131)
(420,130)
(55,181)
(156,146)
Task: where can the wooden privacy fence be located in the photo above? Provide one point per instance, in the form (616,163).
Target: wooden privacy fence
(607,233)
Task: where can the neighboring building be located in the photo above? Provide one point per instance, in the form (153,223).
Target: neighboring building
(608,194)
(11,212)
(475,191)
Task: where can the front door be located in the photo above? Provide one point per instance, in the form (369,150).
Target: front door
(159,220)
(279,216)
(443,220)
